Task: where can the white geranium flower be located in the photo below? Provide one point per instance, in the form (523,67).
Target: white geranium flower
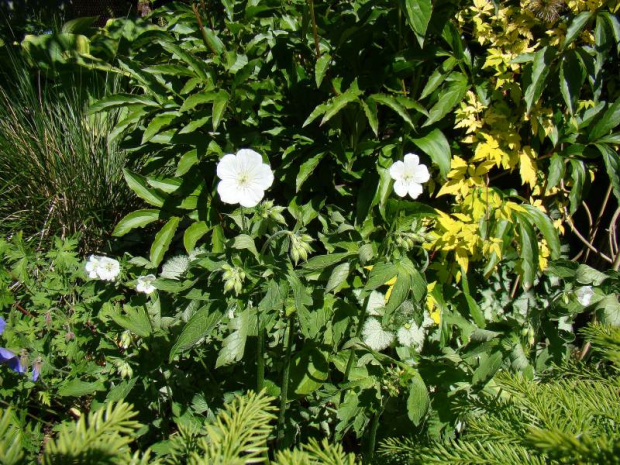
(411,336)
(409,176)
(244,178)
(375,336)
(145,283)
(108,268)
(584,295)
(92,265)
(175,267)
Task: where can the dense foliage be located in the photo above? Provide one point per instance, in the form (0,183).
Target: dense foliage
(356,206)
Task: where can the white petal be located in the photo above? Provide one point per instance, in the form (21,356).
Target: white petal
(400,187)
(229,191)
(414,190)
(251,196)
(397,170)
(411,161)
(421,174)
(263,177)
(248,160)
(227,167)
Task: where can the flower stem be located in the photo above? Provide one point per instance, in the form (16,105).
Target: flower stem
(372,436)
(285,376)
(260,356)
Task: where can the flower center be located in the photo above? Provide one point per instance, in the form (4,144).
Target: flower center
(244,180)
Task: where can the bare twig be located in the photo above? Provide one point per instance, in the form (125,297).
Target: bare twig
(583,239)
(314,29)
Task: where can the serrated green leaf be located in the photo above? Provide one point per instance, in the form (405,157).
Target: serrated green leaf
(200,325)
(79,388)
(320,68)
(137,219)
(528,251)
(163,239)
(612,165)
(370,110)
(320,262)
(392,103)
(138,184)
(306,169)
(233,346)
(309,370)
(609,121)
(219,106)
(540,70)
(545,226)
(193,235)
(121,100)
(243,241)
(135,320)
(448,98)
(575,27)
(418,16)
(186,162)
(418,400)
(339,275)
(487,368)
(337,104)
(194,100)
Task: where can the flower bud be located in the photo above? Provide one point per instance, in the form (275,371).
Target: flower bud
(233,278)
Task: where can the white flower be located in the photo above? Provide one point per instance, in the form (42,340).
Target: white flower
(108,269)
(175,267)
(584,295)
(409,176)
(411,336)
(91,266)
(375,336)
(145,283)
(428,320)
(244,178)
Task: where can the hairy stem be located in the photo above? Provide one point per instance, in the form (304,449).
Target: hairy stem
(285,375)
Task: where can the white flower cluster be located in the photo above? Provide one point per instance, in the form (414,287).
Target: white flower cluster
(104,268)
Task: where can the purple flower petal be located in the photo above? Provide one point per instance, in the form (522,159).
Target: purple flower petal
(6,355)
(2,325)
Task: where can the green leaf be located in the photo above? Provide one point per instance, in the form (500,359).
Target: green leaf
(578,175)
(392,103)
(556,171)
(243,241)
(370,110)
(194,100)
(219,105)
(587,275)
(529,251)
(540,71)
(188,160)
(609,120)
(380,274)
(438,76)
(306,169)
(612,164)
(320,68)
(448,98)
(138,184)
(419,15)
(233,347)
(572,77)
(545,226)
(339,275)
(320,262)
(418,400)
(158,123)
(163,239)
(309,370)
(121,390)
(79,25)
(200,325)
(337,104)
(436,146)
(137,219)
(608,310)
(79,388)
(135,320)
(167,185)
(121,100)
(474,308)
(487,368)
(575,27)
(193,235)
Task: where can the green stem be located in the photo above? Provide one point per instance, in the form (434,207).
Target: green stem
(271,238)
(260,356)
(285,376)
(372,436)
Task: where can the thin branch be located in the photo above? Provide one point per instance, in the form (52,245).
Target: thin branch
(314,29)
(584,240)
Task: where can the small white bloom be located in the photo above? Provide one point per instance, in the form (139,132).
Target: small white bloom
(428,320)
(108,268)
(375,336)
(584,295)
(409,176)
(145,284)
(175,267)
(244,178)
(92,265)
(411,336)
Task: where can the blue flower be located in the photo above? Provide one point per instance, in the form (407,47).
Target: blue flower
(2,325)
(12,360)
(36,368)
